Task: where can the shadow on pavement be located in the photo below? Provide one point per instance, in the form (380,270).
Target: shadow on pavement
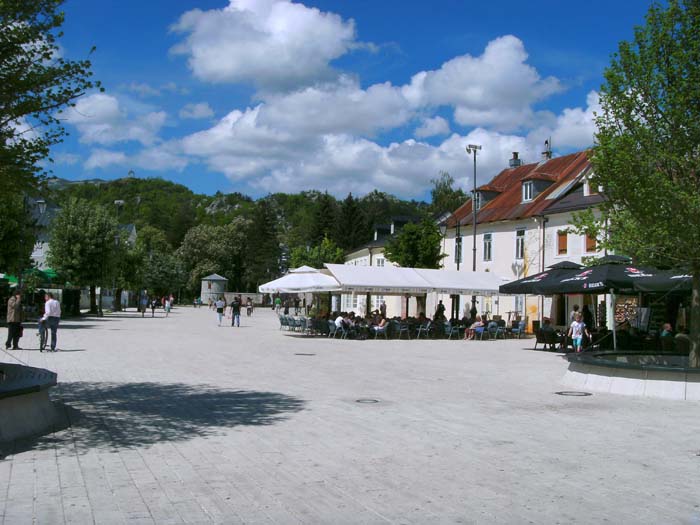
(123,415)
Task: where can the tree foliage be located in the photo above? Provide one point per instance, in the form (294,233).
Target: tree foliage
(351,228)
(443,195)
(315,256)
(16,233)
(263,254)
(214,249)
(416,246)
(82,246)
(36,84)
(647,157)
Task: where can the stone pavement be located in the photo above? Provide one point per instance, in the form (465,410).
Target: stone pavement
(179,421)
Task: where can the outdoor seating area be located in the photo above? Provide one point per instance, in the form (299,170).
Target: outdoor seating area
(352,327)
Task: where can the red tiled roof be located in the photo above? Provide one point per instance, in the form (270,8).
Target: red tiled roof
(508,205)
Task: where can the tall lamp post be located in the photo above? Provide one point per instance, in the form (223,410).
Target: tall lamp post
(471,150)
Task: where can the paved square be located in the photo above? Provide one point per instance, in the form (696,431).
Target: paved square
(180,421)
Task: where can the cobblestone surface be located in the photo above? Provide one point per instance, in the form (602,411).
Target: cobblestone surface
(176,420)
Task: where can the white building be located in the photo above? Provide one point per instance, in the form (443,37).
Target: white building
(523,218)
(213,287)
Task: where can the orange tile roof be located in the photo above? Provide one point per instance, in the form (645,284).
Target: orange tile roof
(508,205)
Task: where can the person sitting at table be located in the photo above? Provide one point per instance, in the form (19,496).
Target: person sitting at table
(547,329)
(470,333)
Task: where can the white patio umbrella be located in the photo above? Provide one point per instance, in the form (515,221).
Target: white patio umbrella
(301,280)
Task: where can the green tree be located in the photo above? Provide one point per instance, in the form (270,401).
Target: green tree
(36,84)
(351,227)
(17,233)
(325,216)
(263,254)
(647,157)
(443,196)
(326,252)
(210,249)
(82,245)
(416,246)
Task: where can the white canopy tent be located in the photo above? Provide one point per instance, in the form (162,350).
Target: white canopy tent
(461,283)
(301,280)
(412,281)
(378,280)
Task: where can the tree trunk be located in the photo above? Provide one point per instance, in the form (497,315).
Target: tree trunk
(118,300)
(695,321)
(93,299)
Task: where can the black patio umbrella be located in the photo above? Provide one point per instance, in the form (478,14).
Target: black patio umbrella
(532,284)
(600,278)
(667,281)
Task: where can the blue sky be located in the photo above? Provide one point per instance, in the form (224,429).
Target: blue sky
(260,96)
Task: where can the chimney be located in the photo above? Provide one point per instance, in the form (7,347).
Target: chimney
(515,161)
(547,153)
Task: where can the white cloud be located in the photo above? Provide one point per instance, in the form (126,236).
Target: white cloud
(143,90)
(496,89)
(101,158)
(575,127)
(164,157)
(270,43)
(101,119)
(196,111)
(432,127)
(67,159)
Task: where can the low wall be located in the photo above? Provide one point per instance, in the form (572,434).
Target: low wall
(634,374)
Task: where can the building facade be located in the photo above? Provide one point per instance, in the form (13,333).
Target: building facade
(523,225)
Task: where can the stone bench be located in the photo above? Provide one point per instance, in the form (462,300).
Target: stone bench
(25,407)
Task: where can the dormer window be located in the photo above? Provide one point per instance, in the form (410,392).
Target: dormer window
(528,191)
(477,200)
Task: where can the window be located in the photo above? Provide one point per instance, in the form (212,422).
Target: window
(477,200)
(487,247)
(380,262)
(458,250)
(562,242)
(519,244)
(528,191)
(591,244)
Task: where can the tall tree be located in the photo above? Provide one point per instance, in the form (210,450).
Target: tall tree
(325,216)
(443,196)
(16,233)
(647,157)
(215,249)
(82,245)
(263,256)
(351,226)
(36,84)
(326,252)
(416,246)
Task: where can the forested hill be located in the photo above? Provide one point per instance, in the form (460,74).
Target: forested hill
(303,218)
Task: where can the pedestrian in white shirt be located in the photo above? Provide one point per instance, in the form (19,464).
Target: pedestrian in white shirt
(220,305)
(52,315)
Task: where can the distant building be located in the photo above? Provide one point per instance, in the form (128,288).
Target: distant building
(213,287)
(42,213)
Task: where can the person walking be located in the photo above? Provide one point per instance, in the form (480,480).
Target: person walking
(144,304)
(154,304)
(14,320)
(236,312)
(249,307)
(52,316)
(577,331)
(220,305)
(278,304)
(168,305)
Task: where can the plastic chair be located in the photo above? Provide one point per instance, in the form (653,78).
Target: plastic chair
(451,330)
(519,330)
(380,330)
(424,329)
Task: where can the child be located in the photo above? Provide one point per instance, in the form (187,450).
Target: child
(576,331)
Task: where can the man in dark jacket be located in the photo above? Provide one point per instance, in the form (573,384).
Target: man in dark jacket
(14,320)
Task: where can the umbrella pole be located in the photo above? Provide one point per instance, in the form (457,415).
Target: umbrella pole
(614,322)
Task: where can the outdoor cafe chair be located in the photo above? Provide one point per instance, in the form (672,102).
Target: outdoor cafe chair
(518,329)
(424,329)
(403,328)
(381,330)
(451,329)
(495,331)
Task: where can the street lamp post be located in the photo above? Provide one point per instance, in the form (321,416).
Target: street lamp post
(471,150)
